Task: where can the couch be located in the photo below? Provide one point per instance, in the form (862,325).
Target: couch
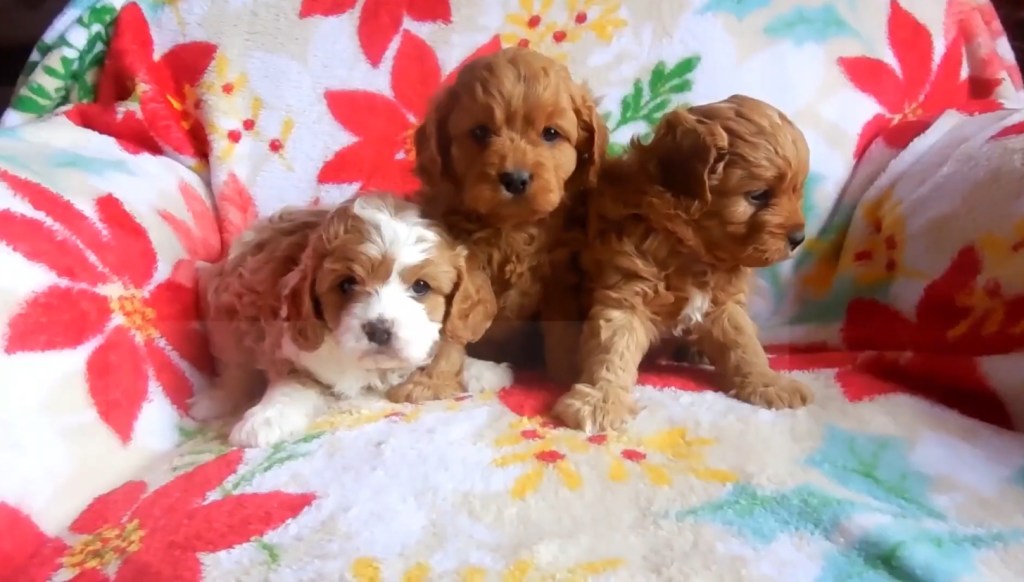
(145,135)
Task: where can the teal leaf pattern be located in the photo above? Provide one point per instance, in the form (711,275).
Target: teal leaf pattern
(762,517)
(809,24)
(876,466)
(649,100)
(904,536)
(906,550)
(738,8)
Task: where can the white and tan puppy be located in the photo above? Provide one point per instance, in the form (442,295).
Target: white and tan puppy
(344,301)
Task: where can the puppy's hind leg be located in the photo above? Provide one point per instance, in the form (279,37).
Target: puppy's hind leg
(235,389)
(485,376)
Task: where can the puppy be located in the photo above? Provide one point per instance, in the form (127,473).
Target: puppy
(674,229)
(502,154)
(339,301)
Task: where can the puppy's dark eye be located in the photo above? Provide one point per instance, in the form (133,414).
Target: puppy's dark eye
(348,285)
(550,134)
(481,134)
(420,288)
(759,198)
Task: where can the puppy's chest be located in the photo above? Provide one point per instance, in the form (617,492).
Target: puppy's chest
(344,376)
(517,265)
(695,293)
(692,297)
(688,309)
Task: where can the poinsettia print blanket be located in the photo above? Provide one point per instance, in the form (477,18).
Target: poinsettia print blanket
(146,135)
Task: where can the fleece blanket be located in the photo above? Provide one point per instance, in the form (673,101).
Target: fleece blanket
(147,134)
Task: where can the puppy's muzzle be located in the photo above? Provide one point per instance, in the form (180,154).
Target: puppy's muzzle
(795,238)
(515,182)
(378,332)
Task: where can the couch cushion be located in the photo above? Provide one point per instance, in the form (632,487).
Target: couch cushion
(100,347)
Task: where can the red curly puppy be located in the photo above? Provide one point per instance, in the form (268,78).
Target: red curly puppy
(674,229)
(502,154)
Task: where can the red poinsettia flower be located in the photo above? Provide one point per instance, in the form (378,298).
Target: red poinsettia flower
(1011,130)
(954,381)
(127,535)
(106,292)
(165,87)
(381,158)
(123,124)
(958,314)
(380,20)
(211,232)
(934,354)
(24,541)
(912,97)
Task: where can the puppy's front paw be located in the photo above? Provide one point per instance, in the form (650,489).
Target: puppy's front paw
(265,425)
(773,390)
(420,387)
(485,376)
(593,409)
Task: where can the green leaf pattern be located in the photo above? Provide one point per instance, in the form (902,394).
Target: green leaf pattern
(65,70)
(648,101)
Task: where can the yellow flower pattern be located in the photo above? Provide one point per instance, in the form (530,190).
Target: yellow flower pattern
(241,120)
(1003,261)
(104,548)
(877,257)
(871,258)
(348,418)
(540,25)
(542,449)
(368,569)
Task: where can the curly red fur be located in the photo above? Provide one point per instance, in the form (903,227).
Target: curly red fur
(516,110)
(673,230)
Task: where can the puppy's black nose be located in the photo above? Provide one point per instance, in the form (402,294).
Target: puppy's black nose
(796,238)
(515,182)
(378,332)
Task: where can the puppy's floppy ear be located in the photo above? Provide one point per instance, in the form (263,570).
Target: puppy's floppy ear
(433,142)
(301,308)
(471,305)
(591,142)
(690,154)
(307,231)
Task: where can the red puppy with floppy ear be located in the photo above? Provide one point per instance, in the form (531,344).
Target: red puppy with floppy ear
(502,155)
(674,228)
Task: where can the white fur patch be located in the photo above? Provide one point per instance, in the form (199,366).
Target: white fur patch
(694,311)
(413,332)
(485,376)
(403,235)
